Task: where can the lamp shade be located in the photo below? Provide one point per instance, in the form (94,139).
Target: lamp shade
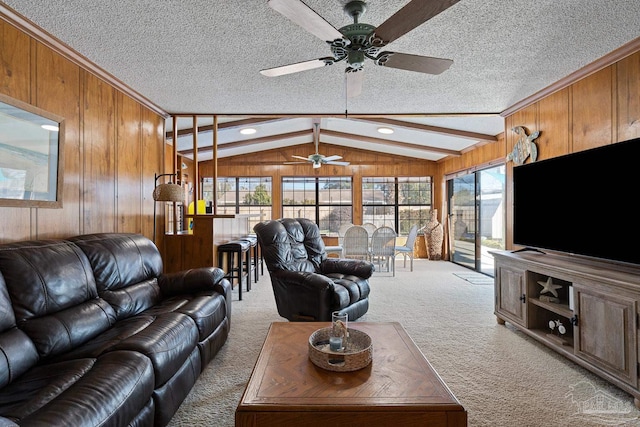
(168,193)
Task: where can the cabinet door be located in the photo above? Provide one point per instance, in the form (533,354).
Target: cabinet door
(606,332)
(510,294)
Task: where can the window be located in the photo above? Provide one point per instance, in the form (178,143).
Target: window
(396,202)
(328,201)
(241,195)
(414,202)
(379,201)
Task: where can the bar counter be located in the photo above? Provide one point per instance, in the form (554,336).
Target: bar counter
(198,247)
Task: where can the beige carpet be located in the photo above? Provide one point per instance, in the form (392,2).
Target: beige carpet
(501,377)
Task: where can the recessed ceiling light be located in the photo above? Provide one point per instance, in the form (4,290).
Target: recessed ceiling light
(50,127)
(386,131)
(248,131)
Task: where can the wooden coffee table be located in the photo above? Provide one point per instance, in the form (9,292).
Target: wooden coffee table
(398,388)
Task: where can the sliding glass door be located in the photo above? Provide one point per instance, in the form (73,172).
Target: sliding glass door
(476,217)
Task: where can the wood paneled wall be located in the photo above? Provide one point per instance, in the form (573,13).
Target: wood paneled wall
(601,108)
(113,143)
(362,164)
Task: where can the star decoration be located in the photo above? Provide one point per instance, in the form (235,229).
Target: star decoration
(549,286)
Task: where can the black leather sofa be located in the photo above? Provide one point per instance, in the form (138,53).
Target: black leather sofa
(307,285)
(93,334)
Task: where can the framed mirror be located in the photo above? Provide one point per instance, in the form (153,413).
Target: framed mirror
(31,155)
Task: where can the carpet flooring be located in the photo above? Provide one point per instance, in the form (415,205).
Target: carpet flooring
(501,376)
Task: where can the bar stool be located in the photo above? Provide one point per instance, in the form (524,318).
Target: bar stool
(253,241)
(238,255)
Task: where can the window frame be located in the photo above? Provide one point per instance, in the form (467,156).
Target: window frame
(319,206)
(402,225)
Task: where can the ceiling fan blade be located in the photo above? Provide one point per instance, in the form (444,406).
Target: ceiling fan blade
(412,15)
(421,64)
(300,157)
(354,81)
(293,163)
(307,18)
(294,68)
(337,163)
(332,158)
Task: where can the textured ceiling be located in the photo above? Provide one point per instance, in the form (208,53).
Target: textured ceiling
(203,56)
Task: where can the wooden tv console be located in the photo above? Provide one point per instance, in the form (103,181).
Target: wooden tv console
(598,308)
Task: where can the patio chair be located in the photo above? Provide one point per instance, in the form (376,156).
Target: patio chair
(341,230)
(356,243)
(407,249)
(383,245)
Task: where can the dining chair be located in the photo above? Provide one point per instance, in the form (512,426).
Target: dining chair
(356,243)
(406,250)
(383,245)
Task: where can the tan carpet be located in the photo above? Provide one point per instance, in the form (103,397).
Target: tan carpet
(501,377)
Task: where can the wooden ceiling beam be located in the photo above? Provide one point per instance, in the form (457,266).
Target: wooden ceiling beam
(252,141)
(227,125)
(388,142)
(433,129)
(331,133)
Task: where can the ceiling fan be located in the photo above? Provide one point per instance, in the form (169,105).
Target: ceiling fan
(358,41)
(318,159)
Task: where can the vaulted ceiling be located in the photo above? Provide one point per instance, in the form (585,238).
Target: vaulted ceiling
(204,57)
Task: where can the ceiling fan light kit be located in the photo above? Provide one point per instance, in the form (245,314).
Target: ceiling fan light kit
(354,43)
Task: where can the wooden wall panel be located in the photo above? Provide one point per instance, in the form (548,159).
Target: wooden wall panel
(15,63)
(99,189)
(129,165)
(592,111)
(363,163)
(553,125)
(599,109)
(628,97)
(106,132)
(58,91)
(15,73)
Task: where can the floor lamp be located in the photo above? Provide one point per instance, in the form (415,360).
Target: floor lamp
(165,193)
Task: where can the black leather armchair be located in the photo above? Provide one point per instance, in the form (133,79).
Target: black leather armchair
(307,285)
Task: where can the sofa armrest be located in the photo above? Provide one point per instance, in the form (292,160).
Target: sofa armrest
(359,268)
(193,281)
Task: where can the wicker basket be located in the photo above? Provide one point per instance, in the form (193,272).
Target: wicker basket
(356,355)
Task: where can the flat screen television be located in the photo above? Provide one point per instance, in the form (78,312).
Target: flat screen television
(582,203)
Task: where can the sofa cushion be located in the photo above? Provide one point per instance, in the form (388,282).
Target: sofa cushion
(120,259)
(166,339)
(133,299)
(108,391)
(207,311)
(45,276)
(67,329)
(283,246)
(357,287)
(126,267)
(17,351)
(53,294)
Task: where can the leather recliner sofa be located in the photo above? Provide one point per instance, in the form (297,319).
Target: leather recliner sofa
(92,333)
(307,285)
